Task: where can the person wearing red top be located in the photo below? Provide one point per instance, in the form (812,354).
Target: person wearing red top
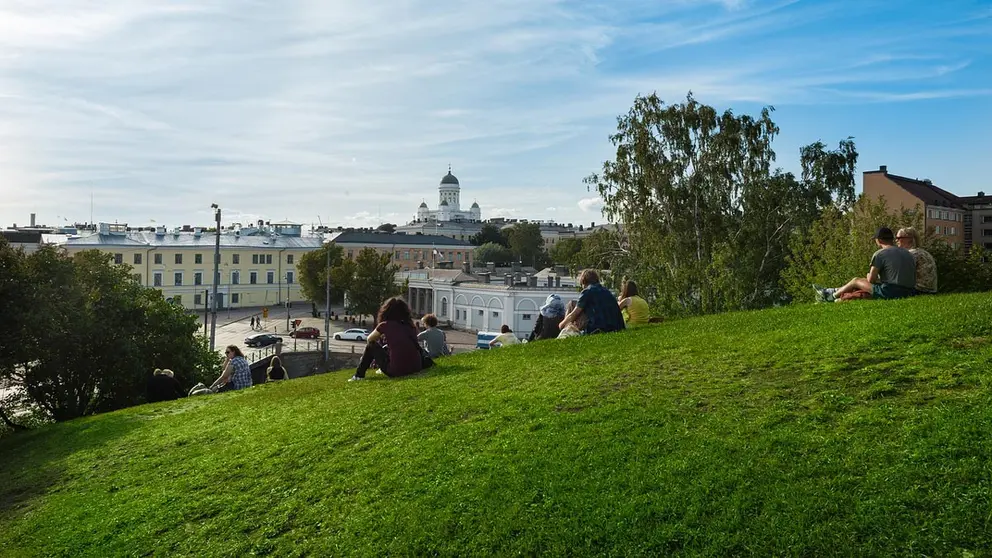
(393,344)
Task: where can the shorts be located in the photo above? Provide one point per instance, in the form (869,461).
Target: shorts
(891,291)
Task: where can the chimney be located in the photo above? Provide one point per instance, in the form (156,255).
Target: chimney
(467,267)
(508,280)
(516,266)
(532,281)
(883,168)
(551,281)
(981,194)
(485,277)
(32,219)
(491,267)
(558,281)
(592,225)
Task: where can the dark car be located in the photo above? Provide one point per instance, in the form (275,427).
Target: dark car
(306,333)
(262,340)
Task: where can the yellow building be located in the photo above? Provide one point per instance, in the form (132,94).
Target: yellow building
(257,264)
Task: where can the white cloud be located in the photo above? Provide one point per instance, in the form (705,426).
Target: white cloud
(590,205)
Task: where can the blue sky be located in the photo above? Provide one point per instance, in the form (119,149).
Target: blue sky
(352,111)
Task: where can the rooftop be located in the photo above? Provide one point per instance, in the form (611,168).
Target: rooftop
(396,239)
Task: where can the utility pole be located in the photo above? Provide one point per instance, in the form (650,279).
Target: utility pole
(206,310)
(287,305)
(327,306)
(213,304)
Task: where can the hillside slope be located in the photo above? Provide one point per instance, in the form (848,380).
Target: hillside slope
(863,428)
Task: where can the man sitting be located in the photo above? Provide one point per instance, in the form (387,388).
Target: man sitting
(926,267)
(892,274)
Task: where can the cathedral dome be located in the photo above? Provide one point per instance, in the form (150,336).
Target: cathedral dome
(423,204)
(449,179)
(475,205)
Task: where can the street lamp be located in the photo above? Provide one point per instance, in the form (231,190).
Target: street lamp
(213,304)
(327,304)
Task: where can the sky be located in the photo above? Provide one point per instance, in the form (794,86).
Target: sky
(347,112)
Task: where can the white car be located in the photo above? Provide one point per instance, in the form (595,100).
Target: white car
(354,334)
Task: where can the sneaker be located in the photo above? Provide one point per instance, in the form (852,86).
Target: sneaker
(356,378)
(821,293)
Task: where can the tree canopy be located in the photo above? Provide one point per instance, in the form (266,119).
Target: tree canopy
(527,244)
(492,252)
(374,282)
(490,233)
(312,272)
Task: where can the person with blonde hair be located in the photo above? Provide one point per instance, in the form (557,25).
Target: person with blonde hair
(163,386)
(276,371)
(926,266)
(577,326)
(635,309)
(598,305)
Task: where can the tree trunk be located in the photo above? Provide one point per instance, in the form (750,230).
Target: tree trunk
(10,423)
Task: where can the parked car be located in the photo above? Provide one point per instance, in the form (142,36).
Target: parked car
(354,334)
(262,340)
(306,333)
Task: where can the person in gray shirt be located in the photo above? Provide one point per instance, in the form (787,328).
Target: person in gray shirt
(891,275)
(432,338)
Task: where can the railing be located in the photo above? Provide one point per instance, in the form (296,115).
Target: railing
(288,346)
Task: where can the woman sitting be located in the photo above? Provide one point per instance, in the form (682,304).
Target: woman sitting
(577,326)
(547,321)
(276,370)
(505,337)
(635,309)
(399,355)
(237,371)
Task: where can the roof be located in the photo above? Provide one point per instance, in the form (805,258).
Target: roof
(475,204)
(423,204)
(925,192)
(22,237)
(396,238)
(444,203)
(204,241)
(449,179)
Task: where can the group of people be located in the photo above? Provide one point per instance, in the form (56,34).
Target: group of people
(900,268)
(256,323)
(235,375)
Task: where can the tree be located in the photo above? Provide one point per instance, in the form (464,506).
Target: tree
(387,228)
(492,252)
(566,251)
(93,335)
(489,234)
(527,244)
(312,272)
(375,281)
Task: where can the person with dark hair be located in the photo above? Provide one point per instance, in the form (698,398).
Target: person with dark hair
(598,305)
(237,371)
(635,309)
(577,326)
(891,274)
(548,319)
(276,371)
(163,386)
(400,354)
(505,337)
(433,339)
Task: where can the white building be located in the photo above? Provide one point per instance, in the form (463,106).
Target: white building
(449,205)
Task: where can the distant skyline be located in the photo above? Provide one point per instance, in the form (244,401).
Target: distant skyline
(351,112)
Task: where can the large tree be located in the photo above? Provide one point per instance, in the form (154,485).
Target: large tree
(374,282)
(313,272)
(527,244)
(92,335)
(706,220)
(489,233)
(494,253)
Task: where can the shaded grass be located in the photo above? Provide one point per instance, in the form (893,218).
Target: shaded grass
(861,428)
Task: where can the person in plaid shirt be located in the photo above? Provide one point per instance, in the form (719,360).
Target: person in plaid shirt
(237,371)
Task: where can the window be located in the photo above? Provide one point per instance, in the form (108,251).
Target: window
(137,259)
(481,313)
(350,254)
(236,259)
(270,277)
(289,259)
(197,300)
(198,258)
(289,277)
(444,306)
(254,259)
(954,230)
(235,277)
(406,255)
(235,298)
(495,314)
(986,218)
(198,278)
(158,259)
(526,317)
(137,278)
(157,279)
(987,232)
(988,245)
(118,258)
(943,215)
(179,259)
(397,256)
(178,279)
(936,229)
(268,259)
(458,256)
(253,277)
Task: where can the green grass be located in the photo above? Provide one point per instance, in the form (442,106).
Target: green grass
(844,429)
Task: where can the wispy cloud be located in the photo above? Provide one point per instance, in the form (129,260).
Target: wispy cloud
(353,110)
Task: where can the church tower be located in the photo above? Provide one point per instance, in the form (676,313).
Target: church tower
(448,192)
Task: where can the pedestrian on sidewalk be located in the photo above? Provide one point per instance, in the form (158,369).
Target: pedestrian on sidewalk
(253,323)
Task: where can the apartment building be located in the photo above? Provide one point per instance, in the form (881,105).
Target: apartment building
(257,264)
(409,251)
(961,221)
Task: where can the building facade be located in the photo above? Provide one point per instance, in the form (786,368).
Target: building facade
(408,251)
(257,264)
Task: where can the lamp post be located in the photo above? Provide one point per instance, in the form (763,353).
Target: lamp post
(213,304)
(327,305)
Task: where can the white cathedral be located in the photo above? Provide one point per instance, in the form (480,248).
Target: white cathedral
(448,207)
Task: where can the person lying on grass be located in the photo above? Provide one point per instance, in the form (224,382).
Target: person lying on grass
(505,337)
(237,371)
(598,305)
(891,274)
(393,343)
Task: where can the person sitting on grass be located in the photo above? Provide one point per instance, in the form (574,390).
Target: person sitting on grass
(548,319)
(926,266)
(577,326)
(163,386)
(400,356)
(634,309)
(598,305)
(236,374)
(505,337)
(434,341)
(276,371)
(891,274)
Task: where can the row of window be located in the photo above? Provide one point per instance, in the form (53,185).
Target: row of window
(950,231)
(198,299)
(198,258)
(945,215)
(463,314)
(178,277)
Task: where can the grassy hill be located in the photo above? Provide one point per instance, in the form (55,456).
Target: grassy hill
(852,429)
